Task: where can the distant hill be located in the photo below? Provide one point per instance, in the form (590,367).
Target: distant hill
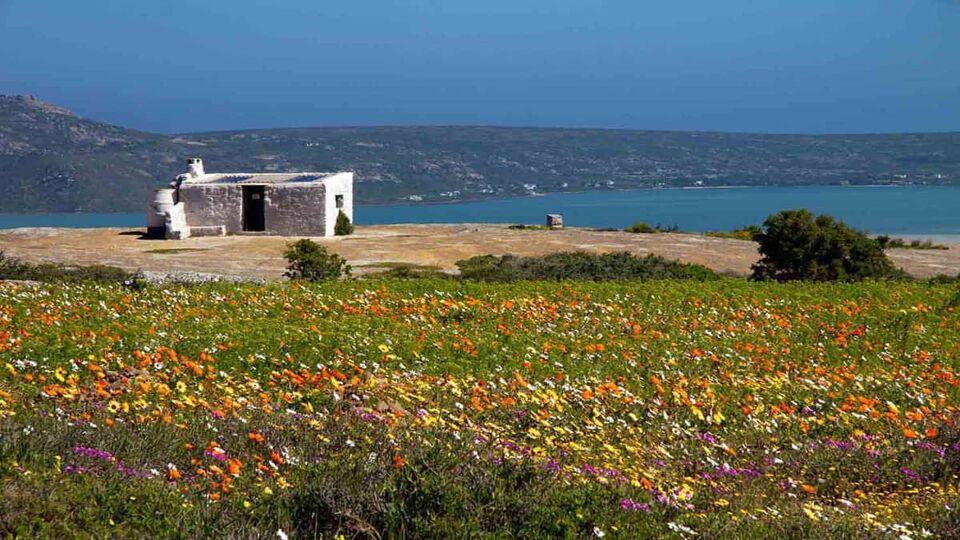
(54,161)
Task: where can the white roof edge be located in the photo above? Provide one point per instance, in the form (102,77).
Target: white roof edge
(268,178)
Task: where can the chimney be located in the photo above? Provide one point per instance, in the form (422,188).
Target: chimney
(195,167)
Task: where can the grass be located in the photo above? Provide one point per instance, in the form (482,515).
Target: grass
(441,408)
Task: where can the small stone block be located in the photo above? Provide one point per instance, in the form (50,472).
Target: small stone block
(208,230)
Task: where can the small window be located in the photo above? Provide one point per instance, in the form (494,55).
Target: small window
(339,200)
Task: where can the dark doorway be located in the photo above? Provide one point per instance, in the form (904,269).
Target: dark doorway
(253,208)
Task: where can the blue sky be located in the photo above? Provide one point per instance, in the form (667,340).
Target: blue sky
(737,65)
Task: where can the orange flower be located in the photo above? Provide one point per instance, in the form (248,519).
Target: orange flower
(398,461)
(910,434)
(807,488)
(173,474)
(931,433)
(255,437)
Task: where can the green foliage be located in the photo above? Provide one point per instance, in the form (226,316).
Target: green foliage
(579,266)
(887,242)
(308,260)
(343,227)
(750,232)
(643,228)
(12,268)
(796,245)
(941,279)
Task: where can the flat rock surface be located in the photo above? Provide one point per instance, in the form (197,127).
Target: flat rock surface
(372,248)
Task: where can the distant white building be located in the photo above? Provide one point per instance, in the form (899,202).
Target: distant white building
(285,204)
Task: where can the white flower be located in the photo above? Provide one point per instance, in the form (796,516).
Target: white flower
(682,529)
(281,535)
(598,533)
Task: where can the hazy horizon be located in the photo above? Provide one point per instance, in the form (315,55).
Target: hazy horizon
(823,67)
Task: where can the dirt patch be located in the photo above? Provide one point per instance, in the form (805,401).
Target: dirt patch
(374,247)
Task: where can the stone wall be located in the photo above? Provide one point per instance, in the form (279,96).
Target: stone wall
(293,210)
(210,205)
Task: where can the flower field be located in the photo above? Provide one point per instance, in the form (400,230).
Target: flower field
(441,408)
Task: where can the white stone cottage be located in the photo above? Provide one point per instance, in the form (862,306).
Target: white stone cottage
(215,204)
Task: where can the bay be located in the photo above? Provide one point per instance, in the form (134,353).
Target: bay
(928,211)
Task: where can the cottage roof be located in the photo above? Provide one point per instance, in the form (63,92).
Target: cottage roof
(262,178)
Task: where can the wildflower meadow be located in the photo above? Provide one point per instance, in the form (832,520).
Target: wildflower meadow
(441,408)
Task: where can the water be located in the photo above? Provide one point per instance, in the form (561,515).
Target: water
(927,211)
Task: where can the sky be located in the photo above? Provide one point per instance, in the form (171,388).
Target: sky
(776,66)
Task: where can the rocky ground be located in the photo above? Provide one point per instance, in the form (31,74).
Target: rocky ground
(374,248)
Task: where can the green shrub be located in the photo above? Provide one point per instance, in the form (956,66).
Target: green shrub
(579,266)
(749,232)
(310,261)
(642,228)
(944,279)
(14,269)
(887,243)
(796,245)
(343,227)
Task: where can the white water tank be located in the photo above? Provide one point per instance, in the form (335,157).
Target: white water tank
(158,207)
(195,167)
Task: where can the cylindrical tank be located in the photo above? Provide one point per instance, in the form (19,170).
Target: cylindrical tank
(160,203)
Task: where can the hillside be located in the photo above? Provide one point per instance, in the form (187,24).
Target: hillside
(53,160)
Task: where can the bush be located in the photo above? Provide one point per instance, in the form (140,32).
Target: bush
(310,261)
(14,269)
(579,266)
(887,243)
(343,227)
(642,228)
(795,245)
(749,232)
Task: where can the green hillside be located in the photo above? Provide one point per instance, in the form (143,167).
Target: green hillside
(52,160)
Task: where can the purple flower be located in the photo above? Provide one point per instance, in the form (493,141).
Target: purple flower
(708,438)
(909,473)
(634,506)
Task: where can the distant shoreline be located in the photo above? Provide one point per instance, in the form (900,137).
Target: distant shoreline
(637,189)
(915,211)
(405,202)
